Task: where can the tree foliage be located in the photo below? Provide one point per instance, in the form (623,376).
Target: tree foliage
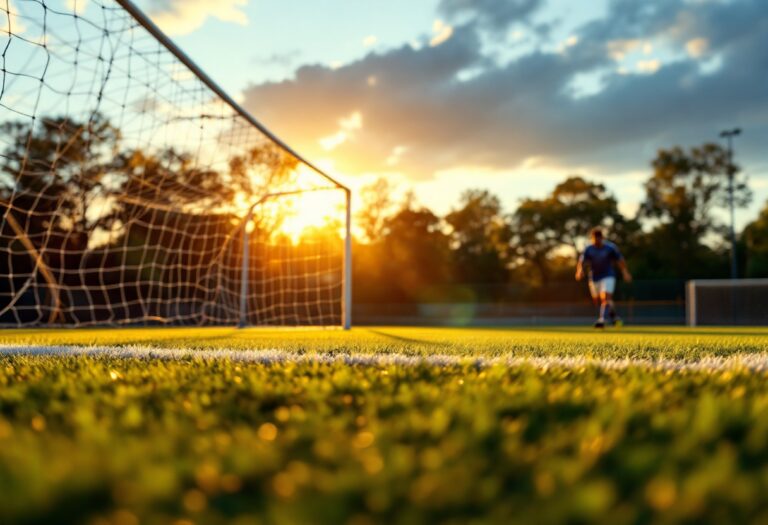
(755,240)
(686,187)
(681,195)
(54,169)
(54,172)
(480,235)
(376,204)
(416,252)
(562,220)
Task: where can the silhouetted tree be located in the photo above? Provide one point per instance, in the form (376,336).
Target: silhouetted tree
(375,204)
(415,253)
(480,236)
(681,195)
(562,220)
(171,178)
(580,205)
(261,170)
(53,169)
(755,240)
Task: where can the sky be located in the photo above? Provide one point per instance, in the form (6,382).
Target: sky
(510,95)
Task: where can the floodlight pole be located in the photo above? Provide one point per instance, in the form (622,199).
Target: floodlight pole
(728,135)
(346,300)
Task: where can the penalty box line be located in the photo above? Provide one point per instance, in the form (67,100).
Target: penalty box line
(757,362)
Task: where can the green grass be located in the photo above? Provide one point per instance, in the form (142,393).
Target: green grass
(636,342)
(113,440)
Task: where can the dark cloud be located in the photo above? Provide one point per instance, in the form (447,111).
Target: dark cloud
(496,15)
(500,116)
(278,59)
(628,19)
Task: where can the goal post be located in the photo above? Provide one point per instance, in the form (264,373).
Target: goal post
(134,190)
(727,302)
(346,314)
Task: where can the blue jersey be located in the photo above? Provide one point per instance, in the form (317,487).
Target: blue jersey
(601,260)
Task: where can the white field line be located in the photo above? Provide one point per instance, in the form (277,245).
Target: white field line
(757,362)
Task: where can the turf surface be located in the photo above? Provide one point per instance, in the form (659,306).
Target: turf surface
(108,439)
(647,342)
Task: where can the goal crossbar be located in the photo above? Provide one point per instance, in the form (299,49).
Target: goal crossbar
(155,31)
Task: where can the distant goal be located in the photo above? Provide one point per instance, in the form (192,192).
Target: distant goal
(727,302)
(135,191)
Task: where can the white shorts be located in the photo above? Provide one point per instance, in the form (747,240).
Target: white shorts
(604,285)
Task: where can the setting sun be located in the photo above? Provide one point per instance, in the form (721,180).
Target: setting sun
(311,210)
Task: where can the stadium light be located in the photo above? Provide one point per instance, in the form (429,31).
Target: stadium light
(728,135)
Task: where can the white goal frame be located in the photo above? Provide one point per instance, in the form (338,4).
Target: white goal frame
(346,300)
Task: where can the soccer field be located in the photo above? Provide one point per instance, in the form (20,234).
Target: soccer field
(383,425)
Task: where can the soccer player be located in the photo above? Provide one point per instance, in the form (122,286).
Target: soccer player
(601,256)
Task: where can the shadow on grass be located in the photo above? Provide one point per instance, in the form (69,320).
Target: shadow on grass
(115,336)
(402,339)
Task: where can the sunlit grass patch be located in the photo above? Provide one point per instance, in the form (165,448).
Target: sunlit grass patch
(673,342)
(365,427)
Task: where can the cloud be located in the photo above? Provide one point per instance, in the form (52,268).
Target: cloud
(347,128)
(279,59)
(181,17)
(697,47)
(14,20)
(502,115)
(77,6)
(396,155)
(441,33)
(568,43)
(648,66)
(331,142)
(493,15)
(353,122)
(619,49)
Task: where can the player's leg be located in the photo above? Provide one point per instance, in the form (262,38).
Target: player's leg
(596,289)
(609,307)
(594,292)
(606,306)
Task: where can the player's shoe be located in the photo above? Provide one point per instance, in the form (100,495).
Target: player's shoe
(599,324)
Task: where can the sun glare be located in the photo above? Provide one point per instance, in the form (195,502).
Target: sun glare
(307,205)
(311,210)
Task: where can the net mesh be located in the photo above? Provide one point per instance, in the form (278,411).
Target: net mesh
(728,303)
(128,187)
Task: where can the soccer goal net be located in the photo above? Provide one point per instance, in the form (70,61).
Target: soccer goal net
(133,190)
(727,302)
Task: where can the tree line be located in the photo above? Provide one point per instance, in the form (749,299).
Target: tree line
(67,184)
(409,253)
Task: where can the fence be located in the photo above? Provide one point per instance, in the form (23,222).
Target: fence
(562,303)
